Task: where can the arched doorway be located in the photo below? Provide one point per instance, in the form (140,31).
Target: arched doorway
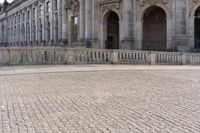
(112,31)
(154,29)
(197,29)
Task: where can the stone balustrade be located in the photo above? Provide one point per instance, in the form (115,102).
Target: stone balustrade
(168,58)
(60,55)
(132,57)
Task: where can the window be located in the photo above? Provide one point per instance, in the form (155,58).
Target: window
(34,31)
(19,19)
(28,32)
(48,28)
(2,28)
(15,19)
(74,29)
(28,15)
(40,10)
(40,30)
(55,5)
(48,7)
(23,32)
(23,17)
(56,26)
(8,21)
(34,13)
(12,21)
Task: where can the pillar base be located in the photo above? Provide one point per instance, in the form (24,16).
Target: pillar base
(126,44)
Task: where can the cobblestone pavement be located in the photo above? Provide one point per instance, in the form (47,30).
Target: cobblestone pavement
(116,101)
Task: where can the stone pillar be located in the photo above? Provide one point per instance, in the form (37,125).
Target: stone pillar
(88,22)
(152,58)
(51,19)
(115,59)
(59,20)
(64,23)
(82,20)
(127,40)
(181,30)
(21,35)
(138,32)
(43,24)
(19,30)
(1,37)
(183,59)
(191,30)
(170,44)
(36,25)
(31,29)
(25,27)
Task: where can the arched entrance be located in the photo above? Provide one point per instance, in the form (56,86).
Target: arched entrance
(111,26)
(154,29)
(197,28)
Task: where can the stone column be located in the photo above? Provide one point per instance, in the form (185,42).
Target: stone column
(31,28)
(60,21)
(170,44)
(127,40)
(181,28)
(64,23)
(1,37)
(191,30)
(25,27)
(43,24)
(82,21)
(88,22)
(51,19)
(36,24)
(138,33)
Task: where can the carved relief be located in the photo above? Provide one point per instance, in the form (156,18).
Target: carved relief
(193,5)
(73,6)
(143,4)
(106,5)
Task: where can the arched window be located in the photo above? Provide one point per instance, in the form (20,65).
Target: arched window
(74,28)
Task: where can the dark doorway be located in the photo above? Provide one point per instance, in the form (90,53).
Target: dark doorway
(197,29)
(154,29)
(112,31)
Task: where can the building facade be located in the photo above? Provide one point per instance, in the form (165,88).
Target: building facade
(166,25)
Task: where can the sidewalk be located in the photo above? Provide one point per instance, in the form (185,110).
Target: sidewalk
(18,70)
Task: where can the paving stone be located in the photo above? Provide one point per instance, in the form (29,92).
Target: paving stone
(111,101)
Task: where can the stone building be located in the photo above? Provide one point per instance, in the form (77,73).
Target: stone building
(111,24)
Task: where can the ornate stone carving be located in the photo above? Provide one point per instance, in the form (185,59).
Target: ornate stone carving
(143,4)
(109,4)
(193,5)
(73,6)
(152,2)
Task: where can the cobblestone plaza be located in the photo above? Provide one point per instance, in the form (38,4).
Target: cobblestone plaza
(94,98)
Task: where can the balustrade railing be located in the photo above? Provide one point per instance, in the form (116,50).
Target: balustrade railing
(168,58)
(92,56)
(133,57)
(193,58)
(60,55)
